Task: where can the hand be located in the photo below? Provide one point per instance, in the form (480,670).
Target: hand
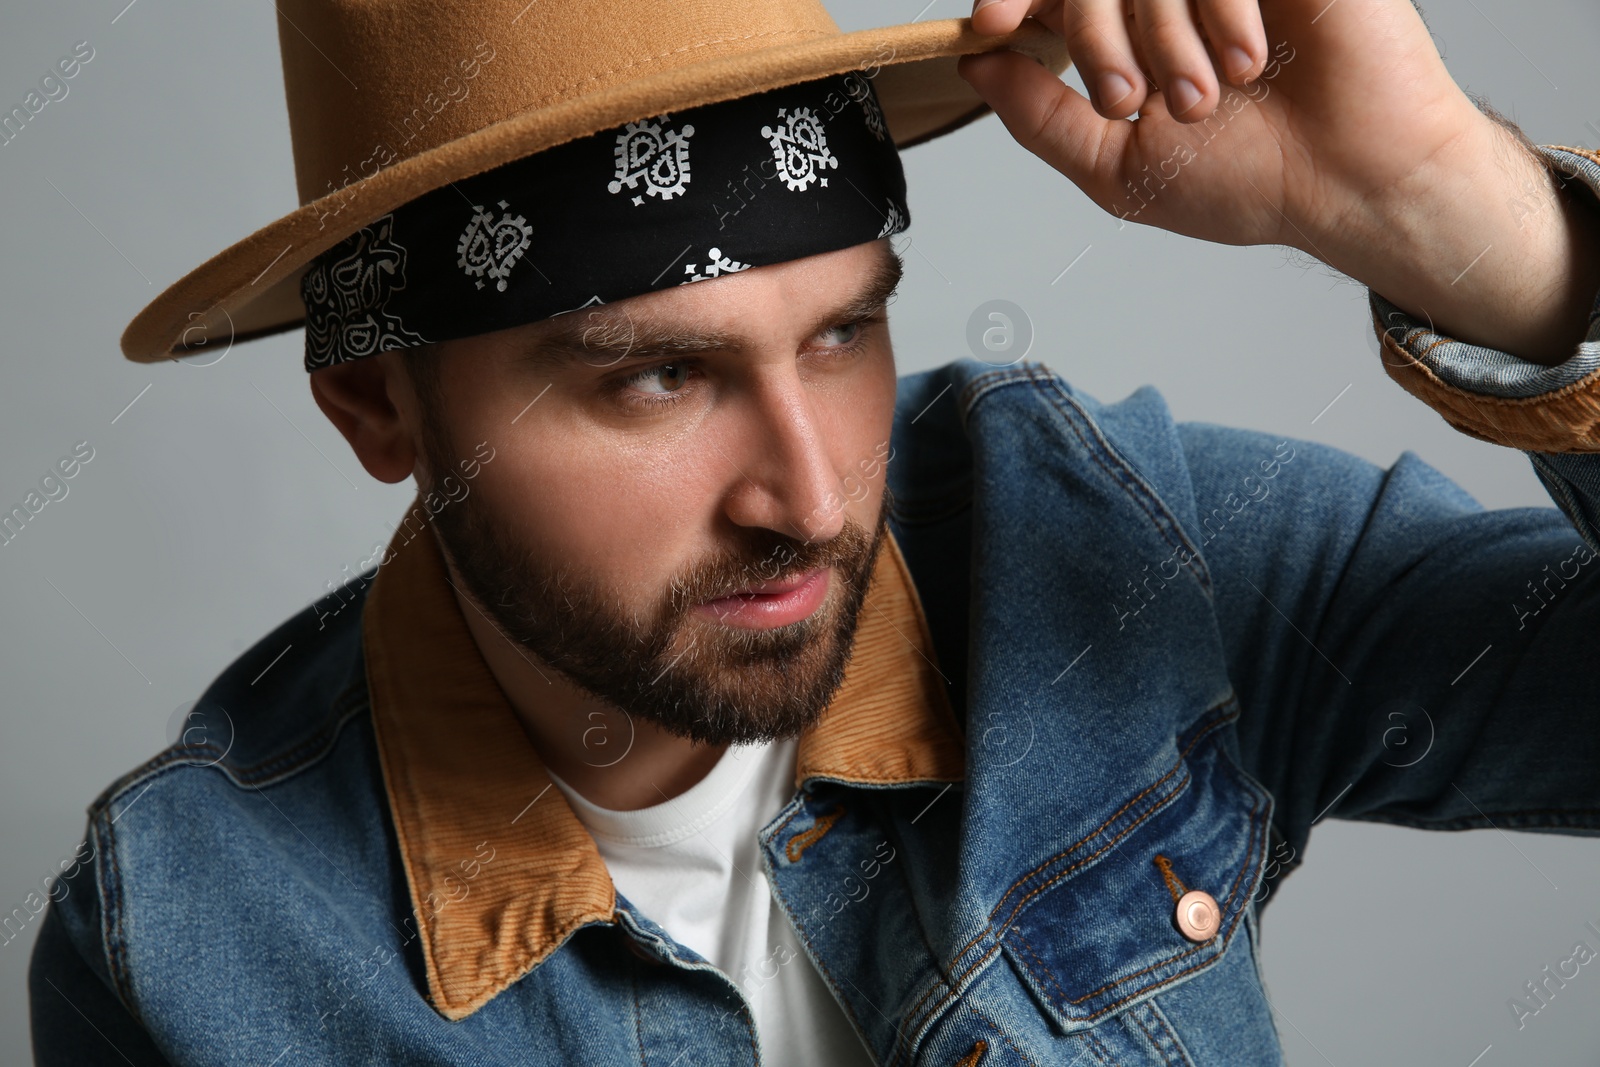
(1347,99)
(1126,50)
(1351,142)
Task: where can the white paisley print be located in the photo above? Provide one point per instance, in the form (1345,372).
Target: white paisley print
(656,154)
(490,247)
(799,148)
(346,299)
(716,266)
(859,90)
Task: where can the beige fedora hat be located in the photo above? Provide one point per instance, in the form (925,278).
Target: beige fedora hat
(390,99)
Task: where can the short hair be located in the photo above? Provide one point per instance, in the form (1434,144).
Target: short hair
(422,367)
(421,363)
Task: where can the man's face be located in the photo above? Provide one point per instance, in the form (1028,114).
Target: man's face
(659,456)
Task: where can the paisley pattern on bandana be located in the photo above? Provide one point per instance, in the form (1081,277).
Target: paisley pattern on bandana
(861,93)
(893,220)
(347,298)
(613,215)
(493,248)
(799,148)
(656,154)
(716,266)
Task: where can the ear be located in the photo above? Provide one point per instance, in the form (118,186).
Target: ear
(370,400)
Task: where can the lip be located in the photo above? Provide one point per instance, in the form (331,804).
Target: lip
(768,604)
(773,588)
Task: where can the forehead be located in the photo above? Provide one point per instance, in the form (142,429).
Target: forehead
(848,284)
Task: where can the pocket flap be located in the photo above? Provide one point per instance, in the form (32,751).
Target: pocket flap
(1099,932)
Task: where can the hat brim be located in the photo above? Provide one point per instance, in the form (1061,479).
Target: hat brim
(252,288)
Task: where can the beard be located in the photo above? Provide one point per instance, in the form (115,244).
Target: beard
(668,663)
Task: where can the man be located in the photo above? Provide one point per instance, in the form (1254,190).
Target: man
(726,699)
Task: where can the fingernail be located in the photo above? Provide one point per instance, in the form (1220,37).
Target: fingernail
(1183,95)
(1237,60)
(1114,88)
(981,4)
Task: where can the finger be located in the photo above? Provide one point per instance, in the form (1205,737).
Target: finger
(1177,58)
(994,17)
(1096,33)
(1237,37)
(1051,119)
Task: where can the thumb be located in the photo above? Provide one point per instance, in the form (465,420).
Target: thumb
(1051,119)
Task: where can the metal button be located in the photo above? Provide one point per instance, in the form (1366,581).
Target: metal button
(1198,916)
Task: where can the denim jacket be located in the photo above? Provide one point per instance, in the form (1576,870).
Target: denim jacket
(1163,651)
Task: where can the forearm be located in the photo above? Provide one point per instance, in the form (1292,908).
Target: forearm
(1483,243)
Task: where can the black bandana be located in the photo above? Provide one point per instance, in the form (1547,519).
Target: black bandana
(679,198)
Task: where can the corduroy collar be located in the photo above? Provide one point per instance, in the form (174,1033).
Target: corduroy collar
(464,781)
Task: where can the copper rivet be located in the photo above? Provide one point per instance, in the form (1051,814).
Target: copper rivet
(1198,916)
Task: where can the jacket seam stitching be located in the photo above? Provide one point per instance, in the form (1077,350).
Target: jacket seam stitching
(1127,478)
(1098,1047)
(112,930)
(802,806)
(992,1025)
(1159,963)
(185,757)
(986,383)
(111,920)
(1153,786)
(1138,489)
(1156,1040)
(1043,973)
(351,699)
(1162,1021)
(796,846)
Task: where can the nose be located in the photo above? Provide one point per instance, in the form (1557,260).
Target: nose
(785,476)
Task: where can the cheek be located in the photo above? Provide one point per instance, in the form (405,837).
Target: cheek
(862,420)
(611,504)
(624,510)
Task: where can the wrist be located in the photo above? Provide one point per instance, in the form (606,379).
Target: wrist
(1479,240)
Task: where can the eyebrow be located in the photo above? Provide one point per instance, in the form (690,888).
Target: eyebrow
(609,338)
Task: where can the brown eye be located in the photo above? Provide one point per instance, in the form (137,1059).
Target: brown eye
(655,388)
(669,375)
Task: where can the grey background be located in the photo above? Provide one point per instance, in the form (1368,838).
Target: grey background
(222,501)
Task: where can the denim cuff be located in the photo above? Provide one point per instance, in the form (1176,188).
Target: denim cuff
(1493,395)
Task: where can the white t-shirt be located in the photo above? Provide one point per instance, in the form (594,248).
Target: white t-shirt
(693,865)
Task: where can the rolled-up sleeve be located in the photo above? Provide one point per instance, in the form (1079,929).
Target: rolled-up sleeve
(1550,412)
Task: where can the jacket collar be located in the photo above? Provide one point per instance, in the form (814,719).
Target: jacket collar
(500,870)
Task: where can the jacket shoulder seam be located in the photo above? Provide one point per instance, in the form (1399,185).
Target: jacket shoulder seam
(308,751)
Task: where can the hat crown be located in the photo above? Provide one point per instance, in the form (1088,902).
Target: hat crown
(370,82)
(389,100)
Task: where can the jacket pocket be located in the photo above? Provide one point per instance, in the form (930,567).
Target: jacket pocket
(1150,903)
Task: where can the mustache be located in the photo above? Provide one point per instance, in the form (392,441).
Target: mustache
(770,557)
